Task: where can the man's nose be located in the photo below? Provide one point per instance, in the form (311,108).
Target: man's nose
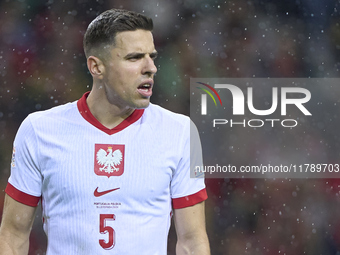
(149,66)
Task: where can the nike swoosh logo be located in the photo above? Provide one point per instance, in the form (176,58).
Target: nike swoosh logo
(101,193)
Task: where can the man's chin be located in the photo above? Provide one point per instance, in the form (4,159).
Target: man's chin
(143,105)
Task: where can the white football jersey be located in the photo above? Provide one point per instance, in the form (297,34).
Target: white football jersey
(105,191)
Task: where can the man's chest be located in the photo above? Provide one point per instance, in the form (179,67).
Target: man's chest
(115,170)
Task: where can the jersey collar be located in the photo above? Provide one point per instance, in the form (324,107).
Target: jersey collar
(87,115)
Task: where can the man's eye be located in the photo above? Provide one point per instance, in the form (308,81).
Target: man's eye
(134,58)
(153,56)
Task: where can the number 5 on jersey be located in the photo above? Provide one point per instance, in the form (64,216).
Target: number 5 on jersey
(103,229)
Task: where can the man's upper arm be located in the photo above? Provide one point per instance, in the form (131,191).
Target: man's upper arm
(188,195)
(191,230)
(16,224)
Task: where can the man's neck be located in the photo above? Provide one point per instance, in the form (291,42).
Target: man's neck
(107,114)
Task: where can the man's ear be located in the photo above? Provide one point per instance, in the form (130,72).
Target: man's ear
(95,66)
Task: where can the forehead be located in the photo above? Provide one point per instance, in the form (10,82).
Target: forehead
(138,40)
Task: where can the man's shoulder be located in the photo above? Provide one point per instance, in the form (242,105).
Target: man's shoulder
(159,114)
(165,124)
(54,113)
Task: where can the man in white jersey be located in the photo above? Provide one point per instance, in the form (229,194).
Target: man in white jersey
(110,167)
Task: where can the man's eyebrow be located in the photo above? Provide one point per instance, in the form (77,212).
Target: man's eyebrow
(140,55)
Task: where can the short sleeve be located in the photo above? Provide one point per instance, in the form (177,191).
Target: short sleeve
(25,181)
(185,190)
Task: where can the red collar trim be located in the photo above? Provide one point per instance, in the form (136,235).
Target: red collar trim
(87,115)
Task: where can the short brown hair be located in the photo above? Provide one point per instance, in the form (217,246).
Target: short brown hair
(103,29)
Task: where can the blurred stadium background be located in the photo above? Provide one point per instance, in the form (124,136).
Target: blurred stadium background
(42,65)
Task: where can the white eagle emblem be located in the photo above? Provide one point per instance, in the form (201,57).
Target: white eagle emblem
(109,160)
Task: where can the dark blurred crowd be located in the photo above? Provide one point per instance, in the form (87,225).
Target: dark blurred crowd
(42,65)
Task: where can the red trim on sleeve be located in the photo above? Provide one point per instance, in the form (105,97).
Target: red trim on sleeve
(87,115)
(190,200)
(21,196)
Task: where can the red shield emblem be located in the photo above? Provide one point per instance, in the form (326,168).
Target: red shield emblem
(109,159)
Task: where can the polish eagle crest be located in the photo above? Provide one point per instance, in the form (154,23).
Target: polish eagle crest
(108,160)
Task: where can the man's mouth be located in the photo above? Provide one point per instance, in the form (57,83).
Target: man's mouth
(145,86)
(145,89)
